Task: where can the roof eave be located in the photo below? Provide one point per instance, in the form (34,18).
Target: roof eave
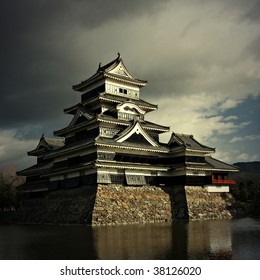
(200,150)
(153,149)
(82,85)
(140,83)
(211,169)
(126,165)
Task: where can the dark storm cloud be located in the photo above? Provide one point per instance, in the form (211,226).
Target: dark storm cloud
(41,14)
(200,57)
(253,12)
(37,59)
(253,49)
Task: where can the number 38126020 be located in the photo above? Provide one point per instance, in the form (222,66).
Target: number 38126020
(177,270)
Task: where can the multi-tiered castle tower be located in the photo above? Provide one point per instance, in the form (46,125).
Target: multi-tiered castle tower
(110,141)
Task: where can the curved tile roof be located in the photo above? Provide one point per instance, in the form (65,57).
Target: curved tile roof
(188,142)
(104,71)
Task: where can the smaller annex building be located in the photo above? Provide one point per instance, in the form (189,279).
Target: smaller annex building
(110,140)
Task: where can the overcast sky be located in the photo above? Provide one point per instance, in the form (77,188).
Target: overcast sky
(201,59)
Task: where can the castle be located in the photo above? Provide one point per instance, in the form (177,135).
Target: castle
(110,141)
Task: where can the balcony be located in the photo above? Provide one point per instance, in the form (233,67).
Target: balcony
(224,182)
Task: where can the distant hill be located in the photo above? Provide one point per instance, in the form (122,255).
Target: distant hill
(247,191)
(251,167)
(248,175)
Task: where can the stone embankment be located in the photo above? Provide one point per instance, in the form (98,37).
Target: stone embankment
(67,206)
(117,204)
(203,205)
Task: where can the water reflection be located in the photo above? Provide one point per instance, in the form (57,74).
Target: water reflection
(209,240)
(151,241)
(46,242)
(180,240)
(237,239)
(246,240)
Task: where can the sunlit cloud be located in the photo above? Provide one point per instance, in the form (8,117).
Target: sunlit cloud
(231,118)
(243,157)
(192,116)
(245,138)
(13,151)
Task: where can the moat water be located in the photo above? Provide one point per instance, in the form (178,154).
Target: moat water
(236,239)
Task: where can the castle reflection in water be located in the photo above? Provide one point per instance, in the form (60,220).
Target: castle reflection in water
(180,240)
(198,240)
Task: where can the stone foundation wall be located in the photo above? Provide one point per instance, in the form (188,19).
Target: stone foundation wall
(116,204)
(203,205)
(67,206)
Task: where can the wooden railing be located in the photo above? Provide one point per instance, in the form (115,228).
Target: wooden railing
(224,182)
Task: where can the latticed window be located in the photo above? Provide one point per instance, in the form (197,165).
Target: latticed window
(125,116)
(104,178)
(135,179)
(106,156)
(106,131)
(117,178)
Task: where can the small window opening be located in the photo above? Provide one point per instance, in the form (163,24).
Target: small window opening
(122,90)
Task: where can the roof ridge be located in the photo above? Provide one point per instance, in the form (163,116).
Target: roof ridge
(54,141)
(221,161)
(52,138)
(189,142)
(132,129)
(183,134)
(108,65)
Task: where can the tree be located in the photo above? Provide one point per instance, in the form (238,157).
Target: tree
(9,181)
